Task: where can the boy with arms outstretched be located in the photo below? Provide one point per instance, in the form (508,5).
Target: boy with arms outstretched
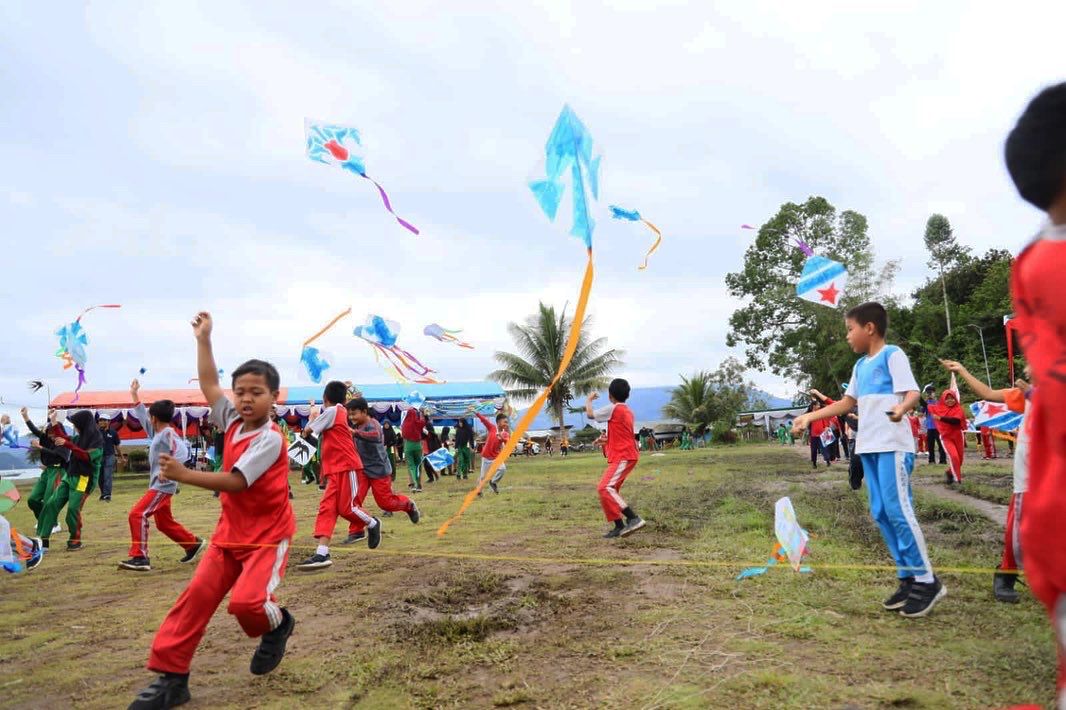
(247,554)
(884,388)
(622,456)
(495,438)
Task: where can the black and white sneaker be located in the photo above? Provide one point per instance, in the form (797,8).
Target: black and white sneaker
(137,564)
(373,535)
(614,532)
(167,691)
(36,554)
(923,598)
(354,537)
(192,554)
(494,487)
(632,525)
(73,546)
(315,561)
(899,597)
(414,513)
(272,646)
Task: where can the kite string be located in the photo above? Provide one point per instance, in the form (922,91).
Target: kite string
(538,403)
(329,325)
(658,241)
(388,205)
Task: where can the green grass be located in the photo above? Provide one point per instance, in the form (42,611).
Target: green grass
(655,620)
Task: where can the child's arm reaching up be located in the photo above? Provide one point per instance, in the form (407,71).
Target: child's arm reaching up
(205,358)
(835,409)
(980,388)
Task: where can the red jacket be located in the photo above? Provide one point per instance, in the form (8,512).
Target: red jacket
(413,424)
(495,440)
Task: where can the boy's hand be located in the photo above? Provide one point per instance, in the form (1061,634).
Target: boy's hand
(35,444)
(202,325)
(60,441)
(170,469)
(898,412)
(594,396)
(1019,383)
(953,366)
(135,386)
(25,413)
(799,424)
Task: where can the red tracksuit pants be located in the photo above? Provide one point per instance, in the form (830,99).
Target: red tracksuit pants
(384,496)
(955,447)
(156,504)
(610,483)
(1012,536)
(248,575)
(339,501)
(989,442)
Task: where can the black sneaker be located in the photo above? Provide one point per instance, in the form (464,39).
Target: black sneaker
(36,553)
(373,535)
(899,598)
(167,691)
(1002,587)
(923,598)
(137,564)
(73,546)
(494,487)
(614,532)
(44,543)
(106,499)
(414,513)
(192,554)
(632,525)
(354,537)
(948,478)
(315,561)
(272,646)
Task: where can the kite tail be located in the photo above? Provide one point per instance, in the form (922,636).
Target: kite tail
(329,325)
(93,308)
(538,403)
(417,368)
(81,381)
(395,371)
(388,205)
(658,241)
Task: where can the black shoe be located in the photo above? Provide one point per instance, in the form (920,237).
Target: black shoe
(315,561)
(414,513)
(373,535)
(1002,587)
(192,554)
(137,564)
(899,598)
(614,532)
(73,546)
(923,598)
(272,646)
(36,553)
(106,499)
(948,479)
(354,537)
(44,543)
(167,691)
(632,525)
(494,487)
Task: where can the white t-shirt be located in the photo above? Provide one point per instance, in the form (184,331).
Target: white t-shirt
(879,383)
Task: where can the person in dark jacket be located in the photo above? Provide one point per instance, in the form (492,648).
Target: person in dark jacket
(107,471)
(83,472)
(53,459)
(464,445)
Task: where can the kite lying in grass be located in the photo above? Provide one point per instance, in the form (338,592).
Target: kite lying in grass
(72,343)
(382,335)
(569,155)
(440,459)
(340,146)
(445,336)
(822,280)
(791,545)
(315,361)
(634,216)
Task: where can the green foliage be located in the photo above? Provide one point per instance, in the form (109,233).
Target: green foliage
(33,456)
(587,435)
(540,343)
(709,397)
(783,333)
(138,459)
(945,252)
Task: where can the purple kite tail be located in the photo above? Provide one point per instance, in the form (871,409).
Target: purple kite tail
(802,246)
(81,381)
(388,205)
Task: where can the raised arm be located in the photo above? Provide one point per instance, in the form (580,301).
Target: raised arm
(205,358)
(979,388)
(835,409)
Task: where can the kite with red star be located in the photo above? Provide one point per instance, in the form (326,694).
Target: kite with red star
(822,280)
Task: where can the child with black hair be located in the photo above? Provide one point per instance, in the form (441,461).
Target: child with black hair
(622,457)
(464,443)
(376,474)
(53,459)
(163,439)
(883,387)
(1036,160)
(431,443)
(341,470)
(494,440)
(246,558)
(83,472)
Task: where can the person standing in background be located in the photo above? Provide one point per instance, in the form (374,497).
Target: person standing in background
(107,472)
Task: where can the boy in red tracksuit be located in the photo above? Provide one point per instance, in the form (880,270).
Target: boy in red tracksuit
(341,470)
(495,438)
(376,473)
(622,456)
(248,551)
(1036,160)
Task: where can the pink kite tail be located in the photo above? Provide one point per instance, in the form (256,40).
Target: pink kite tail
(396,373)
(802,246)
(404,356)
(91,308)
(388,205)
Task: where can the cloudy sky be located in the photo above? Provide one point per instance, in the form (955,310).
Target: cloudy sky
(151,154)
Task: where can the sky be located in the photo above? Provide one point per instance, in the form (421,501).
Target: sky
(152,154)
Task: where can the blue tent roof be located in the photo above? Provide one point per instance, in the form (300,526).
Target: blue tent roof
(396,392)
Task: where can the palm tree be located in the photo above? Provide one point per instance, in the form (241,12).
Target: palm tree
(540,344)
(692,402)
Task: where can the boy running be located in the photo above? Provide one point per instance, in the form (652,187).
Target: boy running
(246,558)
(494,441)
(885,390)
(622,456)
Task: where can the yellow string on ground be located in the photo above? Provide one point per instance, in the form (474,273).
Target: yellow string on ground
(658,241)
(329,325)
(538,403)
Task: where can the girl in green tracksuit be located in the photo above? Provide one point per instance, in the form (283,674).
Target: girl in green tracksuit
(86,457)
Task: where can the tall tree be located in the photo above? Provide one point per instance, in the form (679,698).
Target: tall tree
(783,333)
(945,253)
(540,342)
(706,398)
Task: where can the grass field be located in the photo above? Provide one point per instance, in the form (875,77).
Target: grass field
(523,604)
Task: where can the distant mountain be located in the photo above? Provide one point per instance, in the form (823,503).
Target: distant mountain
(647,404)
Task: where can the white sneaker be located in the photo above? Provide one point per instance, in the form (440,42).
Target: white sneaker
(57,529)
